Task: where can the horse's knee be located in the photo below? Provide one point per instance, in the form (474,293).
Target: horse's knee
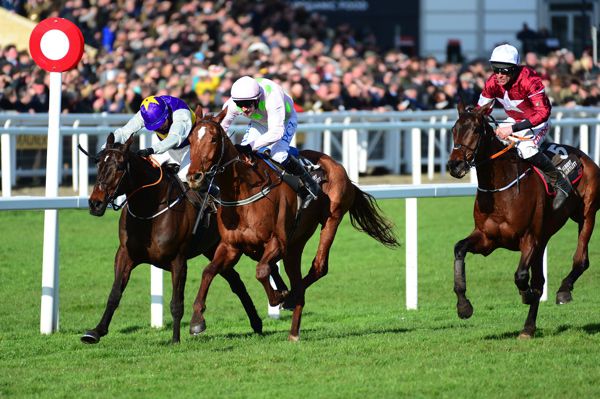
(460,250)
(522,279)
(263,271)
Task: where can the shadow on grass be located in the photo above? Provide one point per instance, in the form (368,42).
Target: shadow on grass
(590,329)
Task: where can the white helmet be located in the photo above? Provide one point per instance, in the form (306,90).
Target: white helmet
(505,54)
(245,88)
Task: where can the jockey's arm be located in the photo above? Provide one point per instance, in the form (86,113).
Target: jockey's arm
(180,129)
(131,127)
(232,113)
(275,122)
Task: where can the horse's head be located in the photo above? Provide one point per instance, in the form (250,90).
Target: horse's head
(112,164)
(208,142)
(467,134)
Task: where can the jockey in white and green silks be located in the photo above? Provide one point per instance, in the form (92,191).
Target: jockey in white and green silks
(273,123)
(273,119)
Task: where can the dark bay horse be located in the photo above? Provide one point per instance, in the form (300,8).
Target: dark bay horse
(257,216)
(155,227)
(513,211)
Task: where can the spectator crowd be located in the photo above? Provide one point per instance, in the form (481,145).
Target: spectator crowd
(196,49)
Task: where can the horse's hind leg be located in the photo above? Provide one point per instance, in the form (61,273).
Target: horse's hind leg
(292,263)
(320,263)
(123,267)
(581,260)
(178,279)
(237,287)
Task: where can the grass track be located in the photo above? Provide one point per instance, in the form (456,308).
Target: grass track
(357,339)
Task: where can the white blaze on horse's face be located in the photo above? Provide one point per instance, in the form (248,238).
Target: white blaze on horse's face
(201,132)
(106,159)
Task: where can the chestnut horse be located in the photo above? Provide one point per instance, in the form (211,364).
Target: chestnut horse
(258,215)
(155,227)
(513,211)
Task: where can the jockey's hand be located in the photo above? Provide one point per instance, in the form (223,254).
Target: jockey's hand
(146,152)
(503,131)
(244,149)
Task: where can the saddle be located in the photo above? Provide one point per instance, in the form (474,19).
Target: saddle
(565,161)
(295,182)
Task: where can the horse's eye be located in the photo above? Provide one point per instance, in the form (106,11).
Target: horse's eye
(213,140)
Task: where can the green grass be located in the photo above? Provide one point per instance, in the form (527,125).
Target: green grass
(357,340)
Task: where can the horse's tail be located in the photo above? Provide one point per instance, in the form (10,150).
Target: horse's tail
(365,215)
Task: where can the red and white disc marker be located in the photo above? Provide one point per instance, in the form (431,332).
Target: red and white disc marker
(56,44)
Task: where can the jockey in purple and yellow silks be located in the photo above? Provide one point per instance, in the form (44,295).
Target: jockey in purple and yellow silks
(273,123)
(172,120)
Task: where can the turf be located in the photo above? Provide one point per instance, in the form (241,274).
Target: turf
(357,339)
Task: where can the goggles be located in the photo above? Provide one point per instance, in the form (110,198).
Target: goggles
(244,103)
(504,71)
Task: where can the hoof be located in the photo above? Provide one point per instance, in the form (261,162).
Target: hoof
(563,297)
(293,338)
(464,310)
(257,327)
(525,335)
(90,337)
(196,329)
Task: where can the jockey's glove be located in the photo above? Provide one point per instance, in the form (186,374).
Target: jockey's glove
(146,152)
(244,149)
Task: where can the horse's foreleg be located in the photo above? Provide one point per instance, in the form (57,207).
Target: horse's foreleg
(225,257)
(237,287)
(529,255)
(178,279)
(123,267)
(463,305)
(581,260)
(534,294)
(271,253)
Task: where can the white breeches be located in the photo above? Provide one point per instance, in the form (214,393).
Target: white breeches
(535,135)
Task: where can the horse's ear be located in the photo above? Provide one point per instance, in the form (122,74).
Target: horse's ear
(198,112)
(485,109)
(110,140)
(128,142)
(219,118)
(460,106)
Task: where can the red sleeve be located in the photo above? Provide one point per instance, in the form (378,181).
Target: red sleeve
(539,100)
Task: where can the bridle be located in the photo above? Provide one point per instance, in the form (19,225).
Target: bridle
(112,198)
(483,120)
(219,167)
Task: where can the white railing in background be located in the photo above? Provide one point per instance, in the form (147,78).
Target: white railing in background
(359,140)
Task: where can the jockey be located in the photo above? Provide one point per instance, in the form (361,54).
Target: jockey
(273,123)
(172,120)
(521,92)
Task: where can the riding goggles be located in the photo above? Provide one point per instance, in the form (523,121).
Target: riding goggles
(504,71)
(244,103)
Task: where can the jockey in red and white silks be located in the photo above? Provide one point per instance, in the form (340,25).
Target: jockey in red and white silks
(521,92)
(525,102)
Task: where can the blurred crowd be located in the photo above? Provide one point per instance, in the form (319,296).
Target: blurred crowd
(196,49)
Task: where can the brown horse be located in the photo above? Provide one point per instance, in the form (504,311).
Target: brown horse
(155,227)
(258,215)
(513,211)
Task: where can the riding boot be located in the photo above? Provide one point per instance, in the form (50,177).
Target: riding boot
(310,188)
(554,177)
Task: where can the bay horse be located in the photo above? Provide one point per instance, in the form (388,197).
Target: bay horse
(258,215)
(514,211)
(156,227)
